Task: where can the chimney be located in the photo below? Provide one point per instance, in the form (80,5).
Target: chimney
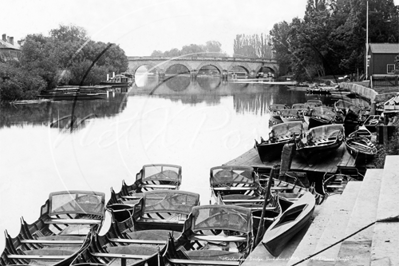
(8,39)
(12,40)
(4,37)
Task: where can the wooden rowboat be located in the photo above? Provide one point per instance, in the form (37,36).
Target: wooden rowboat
(61,231)
(139,235)
(279,135)
(292,220)
(320,142)
(239,186)
(361,148)
(150,177)
(213,235)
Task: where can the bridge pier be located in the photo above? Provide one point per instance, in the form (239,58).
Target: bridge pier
(193,74)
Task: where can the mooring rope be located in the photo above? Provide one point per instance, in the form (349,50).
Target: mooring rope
(385,220)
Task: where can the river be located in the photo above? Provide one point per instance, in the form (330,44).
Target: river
(196,124)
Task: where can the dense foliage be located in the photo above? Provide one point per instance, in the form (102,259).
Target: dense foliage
(331,38)
(59,59)
(210,49)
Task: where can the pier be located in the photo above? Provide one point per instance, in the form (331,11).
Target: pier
(363,205)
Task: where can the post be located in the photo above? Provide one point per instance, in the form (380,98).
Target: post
(367,40)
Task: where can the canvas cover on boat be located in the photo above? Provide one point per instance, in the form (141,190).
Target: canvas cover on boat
(285,128)
(76,202)
(224,175)
(168,173)
(173,201)
(222,217)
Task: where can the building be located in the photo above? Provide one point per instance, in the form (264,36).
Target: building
(383,59)
(8,50)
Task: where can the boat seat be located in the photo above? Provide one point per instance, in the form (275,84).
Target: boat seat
(73,221)
(233,188)
(120,256)
(205,262)
(175,220)
(219,238)
(160,186)
(147,235)
(138,241)
(37,257)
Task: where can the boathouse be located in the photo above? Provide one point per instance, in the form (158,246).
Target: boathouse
(383,58)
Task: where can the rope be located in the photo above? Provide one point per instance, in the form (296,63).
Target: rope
(386,220)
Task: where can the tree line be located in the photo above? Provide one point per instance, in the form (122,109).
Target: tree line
(62,58)
(210,49)
(331,38)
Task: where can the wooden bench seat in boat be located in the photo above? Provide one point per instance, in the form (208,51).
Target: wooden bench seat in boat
(120,256)
(218,238)
(138,241)
(73,221)
(159,220)
(234,188)
(160,186)
(205,262)
(38,257)
(56,240)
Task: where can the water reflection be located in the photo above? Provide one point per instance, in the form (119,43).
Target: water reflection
(50,112)
(253,98)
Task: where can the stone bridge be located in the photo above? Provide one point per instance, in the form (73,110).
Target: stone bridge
(225,65)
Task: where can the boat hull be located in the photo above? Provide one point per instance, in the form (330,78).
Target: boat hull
(284,229)
(315,154)
(270,151)
(363,154)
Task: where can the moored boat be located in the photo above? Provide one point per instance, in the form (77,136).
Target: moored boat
(293,219)
(289,115)
(361,148)
(61,231)
(319,116)
(150,177)
(138,235)
(320,142)
(239,186)
(279,135)
(213,235)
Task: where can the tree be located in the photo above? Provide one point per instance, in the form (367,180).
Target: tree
(255,46)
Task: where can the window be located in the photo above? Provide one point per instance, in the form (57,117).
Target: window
(390,68)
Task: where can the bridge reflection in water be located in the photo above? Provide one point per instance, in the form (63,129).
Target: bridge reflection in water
(254,98)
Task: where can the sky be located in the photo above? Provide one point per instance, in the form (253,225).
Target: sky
(141,26)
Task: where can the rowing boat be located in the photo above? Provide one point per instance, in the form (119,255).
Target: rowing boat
(138,236)
(279,135)
(293,220)
(320,142)
(61,231)
(213,235)
(150,177)
(361,148)
(239,186)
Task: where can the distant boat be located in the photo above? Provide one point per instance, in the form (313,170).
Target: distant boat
(70,93)
(120,80)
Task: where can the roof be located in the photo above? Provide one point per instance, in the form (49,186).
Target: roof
(384,48)
(7,45)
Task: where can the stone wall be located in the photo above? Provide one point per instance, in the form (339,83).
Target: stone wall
(361,90)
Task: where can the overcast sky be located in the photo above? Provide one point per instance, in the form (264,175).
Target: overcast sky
(142,26)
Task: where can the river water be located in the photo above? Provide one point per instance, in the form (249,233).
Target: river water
(196,124)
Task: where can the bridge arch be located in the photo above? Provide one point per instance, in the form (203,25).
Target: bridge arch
(151,66)
(242,65)
(214,64)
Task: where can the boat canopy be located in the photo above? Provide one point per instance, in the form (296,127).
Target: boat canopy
(224,175)
(173,201)
(222,217)
(76,202)
(161,172)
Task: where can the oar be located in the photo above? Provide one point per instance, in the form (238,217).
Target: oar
(267,194)
(391,219)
